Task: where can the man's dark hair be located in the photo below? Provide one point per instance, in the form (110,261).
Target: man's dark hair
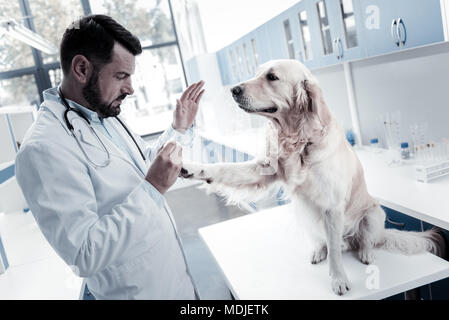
(93,37)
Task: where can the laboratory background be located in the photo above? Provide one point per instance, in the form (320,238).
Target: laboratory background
(383,66)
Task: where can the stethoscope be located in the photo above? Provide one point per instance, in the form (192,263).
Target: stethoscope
(82,116)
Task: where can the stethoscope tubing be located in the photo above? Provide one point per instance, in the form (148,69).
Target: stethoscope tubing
(82,116)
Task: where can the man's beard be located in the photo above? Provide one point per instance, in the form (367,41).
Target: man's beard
(91,92)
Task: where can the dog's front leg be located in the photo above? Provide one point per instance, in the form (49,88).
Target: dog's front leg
(230,174)
(333,222)
(236,181)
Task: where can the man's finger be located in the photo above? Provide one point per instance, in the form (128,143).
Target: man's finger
(187,93)
(198,98)
(169,147)
(197,89)
(176,155)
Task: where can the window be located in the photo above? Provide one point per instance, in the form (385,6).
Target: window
(305,35)
(347,11)
(55,77)
(249,66)
(325,28)
(51,19)
(255,55)
(233,65)
(14,54)
(19,91)
(159,77)
(289,39)
(149,20)
(240,60)
(158,81)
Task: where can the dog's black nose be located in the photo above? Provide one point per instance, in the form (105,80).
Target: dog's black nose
(237,91)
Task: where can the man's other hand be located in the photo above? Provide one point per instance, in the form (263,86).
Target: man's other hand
(166,167)
(187,107)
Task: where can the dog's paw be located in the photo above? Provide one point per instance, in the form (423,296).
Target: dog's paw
(194,171)
(319,255)
(340,285)
(366,256)
(185,174)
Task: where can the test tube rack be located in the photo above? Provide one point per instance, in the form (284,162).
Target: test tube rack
(427,172)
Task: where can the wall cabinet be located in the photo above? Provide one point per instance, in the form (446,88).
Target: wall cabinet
(321,33)
(392,25)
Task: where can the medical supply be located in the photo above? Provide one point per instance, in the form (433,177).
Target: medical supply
(405,151)
(392,129)
(432,160)
(350,137)
(81,115)
(374,143)
(425,173)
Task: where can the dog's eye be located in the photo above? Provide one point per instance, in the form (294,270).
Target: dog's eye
(272,77)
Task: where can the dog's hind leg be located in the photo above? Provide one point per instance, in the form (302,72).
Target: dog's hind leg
(333,223)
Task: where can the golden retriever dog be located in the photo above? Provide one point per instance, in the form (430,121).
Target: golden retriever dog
(308,154)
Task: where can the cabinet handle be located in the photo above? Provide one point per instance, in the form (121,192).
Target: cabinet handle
(393,34)
(401,22)
(397,224)
(335,48)
(340,47)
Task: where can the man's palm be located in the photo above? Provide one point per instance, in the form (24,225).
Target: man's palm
(187,107)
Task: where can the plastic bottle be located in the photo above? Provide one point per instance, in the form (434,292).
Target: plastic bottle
(405,151)
(374,143)
(350,137)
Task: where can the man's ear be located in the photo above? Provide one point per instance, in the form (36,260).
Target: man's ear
(81,68)
(315,102)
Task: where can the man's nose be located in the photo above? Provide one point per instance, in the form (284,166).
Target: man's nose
(128,88)
(237,91)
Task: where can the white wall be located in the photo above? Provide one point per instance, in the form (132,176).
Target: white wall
(332,82)
(415,82)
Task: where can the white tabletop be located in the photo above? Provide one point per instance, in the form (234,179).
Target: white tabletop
(395,187)
(264,255)
(35,270)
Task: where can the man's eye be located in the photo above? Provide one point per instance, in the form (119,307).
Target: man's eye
(272,77)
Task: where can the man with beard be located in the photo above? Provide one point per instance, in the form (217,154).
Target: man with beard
(96,189)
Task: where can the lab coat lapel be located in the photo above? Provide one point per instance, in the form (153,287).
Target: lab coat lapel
(131,145)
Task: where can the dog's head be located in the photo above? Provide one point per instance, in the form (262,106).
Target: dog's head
(284,91)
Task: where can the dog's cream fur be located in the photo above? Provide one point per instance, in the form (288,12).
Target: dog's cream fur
(308,154)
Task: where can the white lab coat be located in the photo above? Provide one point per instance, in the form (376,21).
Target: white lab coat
(109,224)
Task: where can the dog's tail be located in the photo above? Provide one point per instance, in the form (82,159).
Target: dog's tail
(411,242)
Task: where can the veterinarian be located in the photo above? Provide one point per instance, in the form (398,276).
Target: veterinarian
(95,189)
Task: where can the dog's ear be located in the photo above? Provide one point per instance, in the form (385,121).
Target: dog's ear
(315,102)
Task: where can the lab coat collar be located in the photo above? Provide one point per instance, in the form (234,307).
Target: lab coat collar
(54,104)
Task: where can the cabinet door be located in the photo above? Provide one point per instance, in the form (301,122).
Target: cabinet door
(278,31)
(324,24)
(420,22)
(262,44)
(303,31)
(349,43)
(391,25)
(379,27)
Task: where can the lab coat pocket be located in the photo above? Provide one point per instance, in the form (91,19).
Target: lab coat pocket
(140,277)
